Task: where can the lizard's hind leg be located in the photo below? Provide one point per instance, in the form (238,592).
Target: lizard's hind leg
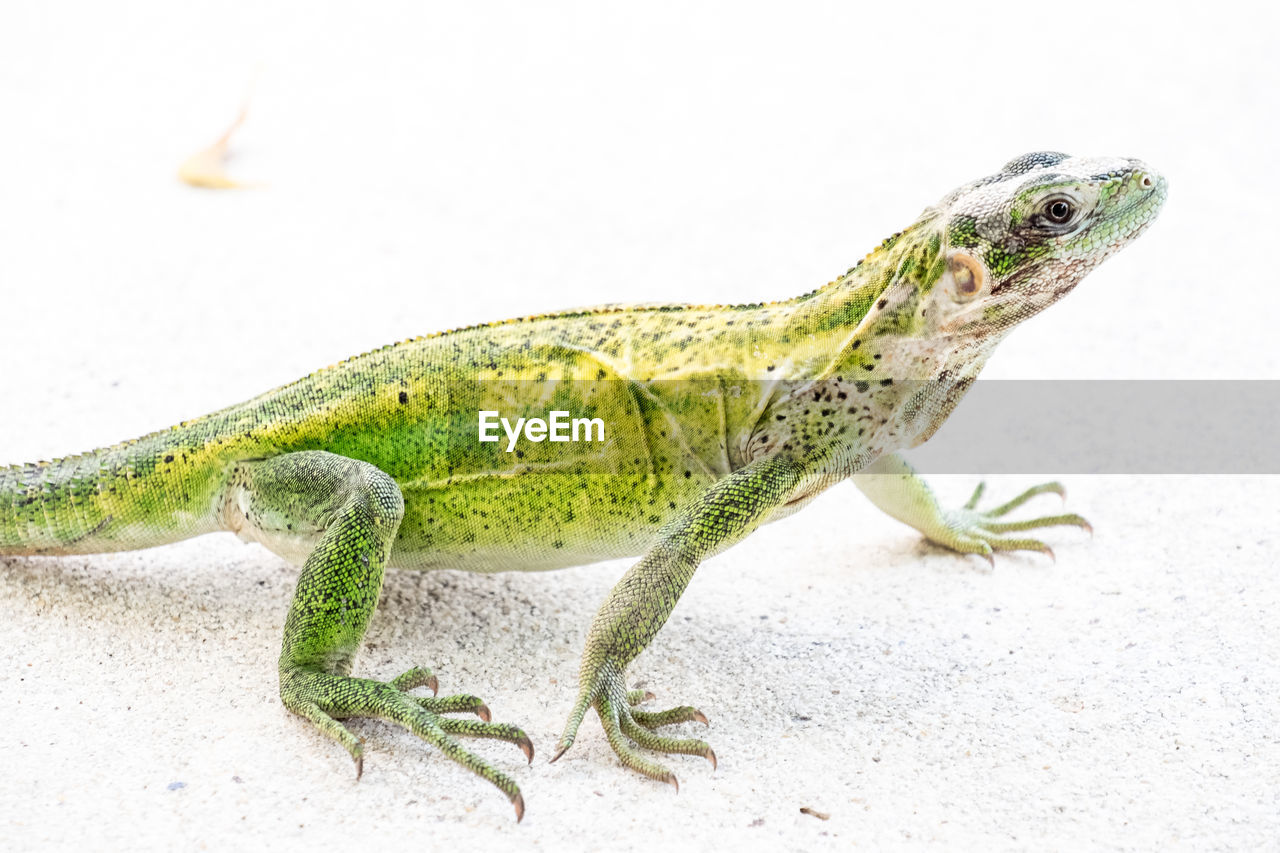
(348,512)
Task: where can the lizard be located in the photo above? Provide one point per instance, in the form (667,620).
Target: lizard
(717,419)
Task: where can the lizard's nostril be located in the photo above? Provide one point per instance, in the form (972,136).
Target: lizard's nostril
(1147,182)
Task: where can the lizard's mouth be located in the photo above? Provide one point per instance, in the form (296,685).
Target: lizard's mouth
(1136,215)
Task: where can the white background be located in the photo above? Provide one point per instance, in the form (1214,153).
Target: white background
(424,166)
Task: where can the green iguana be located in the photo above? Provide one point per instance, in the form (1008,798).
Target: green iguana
(701,422)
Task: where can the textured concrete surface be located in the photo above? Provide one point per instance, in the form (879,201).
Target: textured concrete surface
(422,169)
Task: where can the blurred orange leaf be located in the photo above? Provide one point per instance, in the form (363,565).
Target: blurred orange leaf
(207,168)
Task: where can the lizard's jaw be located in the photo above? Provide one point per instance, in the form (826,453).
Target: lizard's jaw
(1143,211)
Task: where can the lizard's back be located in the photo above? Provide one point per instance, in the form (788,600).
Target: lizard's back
(652,376)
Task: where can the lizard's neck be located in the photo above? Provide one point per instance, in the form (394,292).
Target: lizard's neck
(848,320)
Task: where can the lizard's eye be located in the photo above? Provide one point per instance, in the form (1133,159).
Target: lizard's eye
(1059,211)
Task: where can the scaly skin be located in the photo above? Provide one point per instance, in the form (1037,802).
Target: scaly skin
(718,419)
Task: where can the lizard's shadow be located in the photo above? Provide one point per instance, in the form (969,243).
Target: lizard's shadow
(163,586)
(226,584)
(494,635)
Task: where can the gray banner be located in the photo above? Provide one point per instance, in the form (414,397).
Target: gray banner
(1109,427)
(998,427)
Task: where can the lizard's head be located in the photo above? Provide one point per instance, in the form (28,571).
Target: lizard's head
(1015,242)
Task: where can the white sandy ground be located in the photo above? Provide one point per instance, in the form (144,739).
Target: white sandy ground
(423,168)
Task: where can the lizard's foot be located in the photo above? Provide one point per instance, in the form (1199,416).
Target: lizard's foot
(624,724)
(325,698)
(352,510)
(974,531)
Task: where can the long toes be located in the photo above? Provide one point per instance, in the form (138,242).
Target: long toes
(1042,489)
(999,544)
(658,743)
(637,762)
(427,729)
(322,697)
(495,731)
(654,719)
(976,496)
(330,727)
(977,547)
(416,677)
(627,753)
(967,544)
(460,703)
(1064,520)
(586,697)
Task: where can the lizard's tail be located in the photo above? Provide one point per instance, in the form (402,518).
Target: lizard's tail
(134,495)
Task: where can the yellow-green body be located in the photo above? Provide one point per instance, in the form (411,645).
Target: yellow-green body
(714,420)
(687,395)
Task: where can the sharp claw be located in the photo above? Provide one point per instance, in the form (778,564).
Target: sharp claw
(701,717)
(483,712)
(649,696)
(526,746)
(518,802)
(990,557)
(710,755)
(559,753)
(1087,527)
(359,767)
(672,780)
(1049,551)
(434,685)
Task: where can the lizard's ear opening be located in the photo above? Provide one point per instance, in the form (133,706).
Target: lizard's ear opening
(965,276)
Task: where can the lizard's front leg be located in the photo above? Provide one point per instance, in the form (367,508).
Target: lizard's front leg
(894,486)
(641,601)
(351,510)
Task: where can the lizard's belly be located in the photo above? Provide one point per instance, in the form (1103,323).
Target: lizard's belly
(531,518)
(497,557)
